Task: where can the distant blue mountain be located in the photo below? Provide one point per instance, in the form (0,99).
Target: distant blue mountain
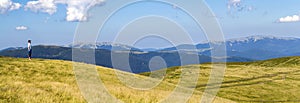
(138,60)
(238,50)
(254,47)
(12,48)
(105,46)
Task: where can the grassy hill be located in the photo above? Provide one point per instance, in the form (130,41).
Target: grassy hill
(47,81)
(275,80)
(40,80)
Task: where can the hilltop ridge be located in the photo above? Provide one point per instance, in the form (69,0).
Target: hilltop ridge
(42,80)
(274,80)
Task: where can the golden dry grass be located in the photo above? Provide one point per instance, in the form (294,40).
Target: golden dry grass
(47,81)
(276,80)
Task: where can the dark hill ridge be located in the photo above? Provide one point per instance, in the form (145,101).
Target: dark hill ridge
(238,50)
(138,60)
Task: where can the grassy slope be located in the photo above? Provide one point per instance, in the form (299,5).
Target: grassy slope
(276,80)
(42,80)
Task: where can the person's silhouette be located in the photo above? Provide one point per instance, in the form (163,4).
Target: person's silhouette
(29,50)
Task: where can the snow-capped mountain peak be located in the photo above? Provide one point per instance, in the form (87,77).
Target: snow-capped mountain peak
(258,38)
(103,45)
(13,48)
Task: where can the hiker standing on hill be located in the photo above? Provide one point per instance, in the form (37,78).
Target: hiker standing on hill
(29,49)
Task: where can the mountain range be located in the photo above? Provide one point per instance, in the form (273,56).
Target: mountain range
(253,47)
(238,50)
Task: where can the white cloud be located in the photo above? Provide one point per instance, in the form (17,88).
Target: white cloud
(46,6)
(233,3)
(76,9)
(294,18)
(8,5)
(75,14)
(235,6)
(21,28)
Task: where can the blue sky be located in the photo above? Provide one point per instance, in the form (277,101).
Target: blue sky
(54,22)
